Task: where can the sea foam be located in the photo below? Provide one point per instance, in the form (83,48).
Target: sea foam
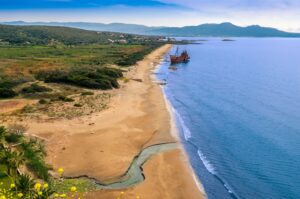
(210,168)
(186,131)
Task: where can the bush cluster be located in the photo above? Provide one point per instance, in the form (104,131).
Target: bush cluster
(34,154)
(7,93)
(132,58)
(30,152)
(7,85)
(35,88)
(88,77)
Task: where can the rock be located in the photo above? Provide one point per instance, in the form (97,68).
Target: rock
(173,68)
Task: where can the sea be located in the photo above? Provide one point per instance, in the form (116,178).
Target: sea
(237,108)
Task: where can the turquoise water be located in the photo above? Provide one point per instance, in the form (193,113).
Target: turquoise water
(237,105)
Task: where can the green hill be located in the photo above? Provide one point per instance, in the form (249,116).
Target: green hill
(45,35)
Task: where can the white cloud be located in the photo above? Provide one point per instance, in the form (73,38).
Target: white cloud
(236,4)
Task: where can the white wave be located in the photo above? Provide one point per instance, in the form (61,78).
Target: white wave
(186,131)
(210,168)
(228,188)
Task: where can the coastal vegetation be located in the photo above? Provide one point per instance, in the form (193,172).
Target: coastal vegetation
(57,64)
(89,66)
(24,173)
(88,77)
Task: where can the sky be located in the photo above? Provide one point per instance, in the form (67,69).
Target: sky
(281,14)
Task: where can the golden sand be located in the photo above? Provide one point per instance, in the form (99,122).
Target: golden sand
(103,145)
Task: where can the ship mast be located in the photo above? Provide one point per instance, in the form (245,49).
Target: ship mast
(177,51)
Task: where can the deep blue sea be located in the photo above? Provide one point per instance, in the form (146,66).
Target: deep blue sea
(237,105)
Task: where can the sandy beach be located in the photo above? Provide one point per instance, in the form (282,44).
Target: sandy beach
(103,145)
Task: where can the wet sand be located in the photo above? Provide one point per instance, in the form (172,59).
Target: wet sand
(103,145)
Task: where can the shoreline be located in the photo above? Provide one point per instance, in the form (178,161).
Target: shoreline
(175,132)
(137,118)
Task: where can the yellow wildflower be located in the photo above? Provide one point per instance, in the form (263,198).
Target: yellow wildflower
(12,186)
(40,193)
(63,195)
(60,171)
(46,186)
(73,189)
(20,195)
(37,186)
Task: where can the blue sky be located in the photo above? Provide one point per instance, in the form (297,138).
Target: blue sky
(60,4)
(283,14)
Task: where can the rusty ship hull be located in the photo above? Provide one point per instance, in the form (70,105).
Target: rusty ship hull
(184,57)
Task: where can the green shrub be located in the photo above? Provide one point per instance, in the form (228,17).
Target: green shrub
(7,93)
(43,101)
(78,105)
(27,109)
(16,128)
(10,83)
(65,99)
(39,167)
(137,56)
(15,132)
(34,154)
(13,137)
(88,77)
(87,93)
(35,88)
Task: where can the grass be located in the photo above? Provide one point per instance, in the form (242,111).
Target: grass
(3,177)
(82,185)
(77,55)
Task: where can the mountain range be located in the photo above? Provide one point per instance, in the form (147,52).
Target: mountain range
(204,30)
